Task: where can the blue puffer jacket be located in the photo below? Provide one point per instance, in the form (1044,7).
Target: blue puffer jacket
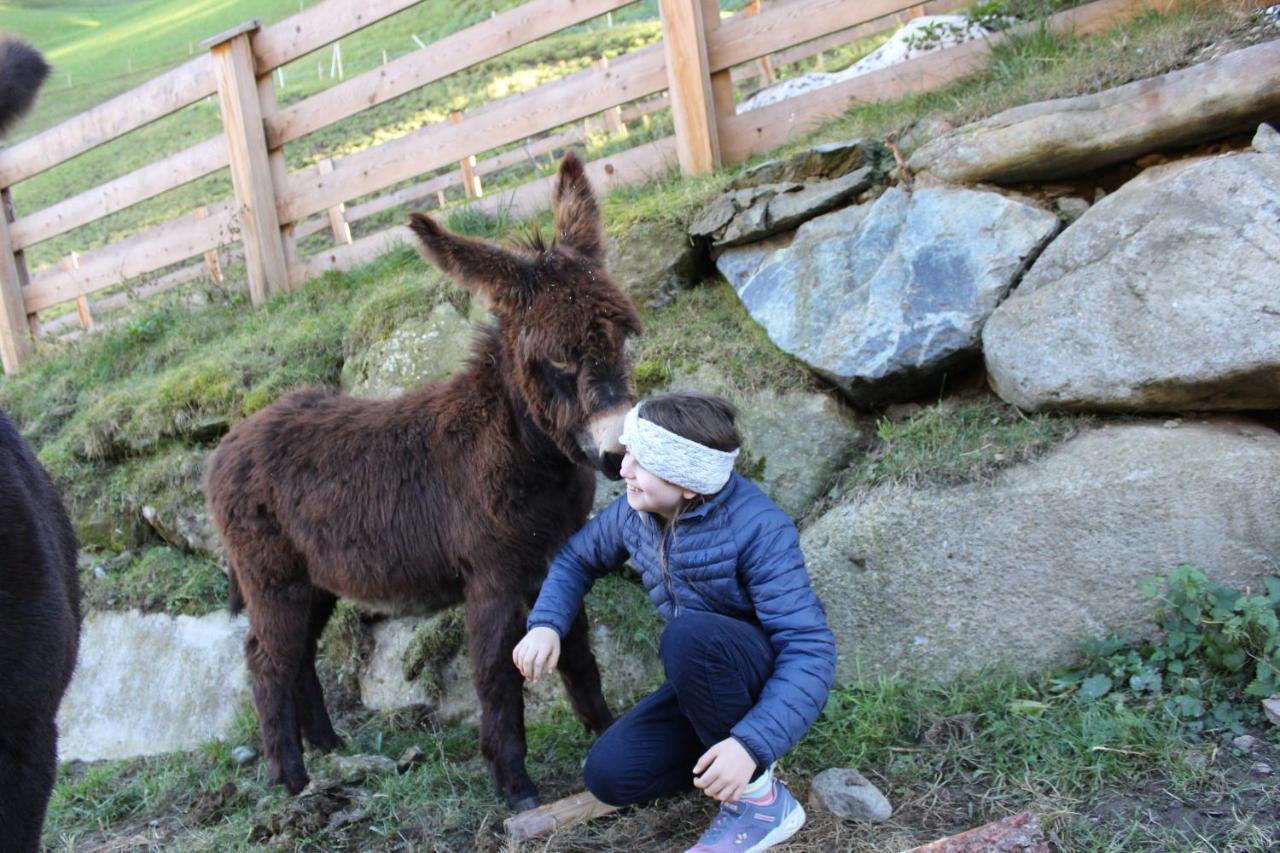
(736,554)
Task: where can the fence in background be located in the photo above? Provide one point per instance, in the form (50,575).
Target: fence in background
(695,64)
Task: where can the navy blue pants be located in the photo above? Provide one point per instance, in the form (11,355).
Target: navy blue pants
(716,667)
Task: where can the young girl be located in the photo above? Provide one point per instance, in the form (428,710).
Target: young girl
(746,649)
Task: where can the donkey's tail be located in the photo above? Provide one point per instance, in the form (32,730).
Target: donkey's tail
(22,70)
(235,601)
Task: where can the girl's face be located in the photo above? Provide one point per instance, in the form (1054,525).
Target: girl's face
(648,492)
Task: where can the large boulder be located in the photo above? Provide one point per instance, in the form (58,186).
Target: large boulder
(884,298)
(1163,296)
(794,442)
(418,351)
(941,582)
(152,683)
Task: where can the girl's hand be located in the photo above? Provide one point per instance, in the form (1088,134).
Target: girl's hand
(537,653)
(724,770)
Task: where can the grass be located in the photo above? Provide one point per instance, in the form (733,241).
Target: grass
(948,757)
(158,580)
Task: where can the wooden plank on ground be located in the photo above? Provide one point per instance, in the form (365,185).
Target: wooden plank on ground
(115,195)
(547,819)
(493,37)
(142,253)
(511,119)
(1018,833)
(154,99)
(764,129)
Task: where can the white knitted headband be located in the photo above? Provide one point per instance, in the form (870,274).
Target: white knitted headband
(674,458)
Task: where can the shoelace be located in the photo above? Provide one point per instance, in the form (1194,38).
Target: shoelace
(724,817)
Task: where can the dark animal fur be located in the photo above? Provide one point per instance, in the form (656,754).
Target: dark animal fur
(39,635)
(459,491)
(39,589)
(22,70)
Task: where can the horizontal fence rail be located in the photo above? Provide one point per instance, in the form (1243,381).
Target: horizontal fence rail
(435,158)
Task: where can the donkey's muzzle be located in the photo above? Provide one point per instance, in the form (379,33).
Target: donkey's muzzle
(611,465)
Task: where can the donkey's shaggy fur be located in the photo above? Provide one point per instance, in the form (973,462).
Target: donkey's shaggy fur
(39,588)
(459,491)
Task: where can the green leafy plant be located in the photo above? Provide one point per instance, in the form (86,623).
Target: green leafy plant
(1217,651)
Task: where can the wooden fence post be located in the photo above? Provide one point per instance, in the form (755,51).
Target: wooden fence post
(612,116)
(470,180)
(15,334)
(72,262)
(337,214)
(264,253)
(211,261)
(763,63)
(692,102)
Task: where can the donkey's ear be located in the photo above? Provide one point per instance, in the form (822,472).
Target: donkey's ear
(499,277)
(577,216)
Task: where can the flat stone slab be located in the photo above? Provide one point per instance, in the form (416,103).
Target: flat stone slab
(151,683)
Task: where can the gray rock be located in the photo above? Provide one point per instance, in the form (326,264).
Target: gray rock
(654,260)
(183,521)
(242,755)
(794,442)
(1266,140)
(148,684)
(1248,743)
(1165,296)
(847,794)
(418,351)
(410,758)
(883,298)
(940,582)
(1071,207)
(817,163)
(756,212)
(738,263)
(354,769)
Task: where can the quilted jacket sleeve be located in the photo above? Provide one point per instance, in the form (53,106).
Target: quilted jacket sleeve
(593,551)
(772,568)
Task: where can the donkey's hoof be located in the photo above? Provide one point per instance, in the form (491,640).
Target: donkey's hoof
(295,782)
(524,804)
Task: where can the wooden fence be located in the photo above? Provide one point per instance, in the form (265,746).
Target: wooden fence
(272,208)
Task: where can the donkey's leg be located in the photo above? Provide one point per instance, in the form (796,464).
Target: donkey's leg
(308,698)
(279,617)
(495,623)
(581,677)
(28,765)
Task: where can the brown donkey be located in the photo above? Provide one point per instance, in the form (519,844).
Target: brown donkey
(459,491)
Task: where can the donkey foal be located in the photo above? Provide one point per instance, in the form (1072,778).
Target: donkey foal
(460,491)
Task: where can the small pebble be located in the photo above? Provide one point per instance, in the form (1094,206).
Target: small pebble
(1248,743)
(243,755)
(1262,768)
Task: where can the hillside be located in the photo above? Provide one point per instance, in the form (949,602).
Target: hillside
(124,419)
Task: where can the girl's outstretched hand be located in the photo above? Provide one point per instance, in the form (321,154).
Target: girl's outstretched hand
(537,653)
(724,770)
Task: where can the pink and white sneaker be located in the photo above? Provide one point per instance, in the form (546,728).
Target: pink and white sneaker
(749,826)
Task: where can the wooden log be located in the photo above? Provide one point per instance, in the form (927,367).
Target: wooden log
(1070,136)
(689,81)
(15,338)
(337,213)
(553,816)
(1019,833)
(265,263)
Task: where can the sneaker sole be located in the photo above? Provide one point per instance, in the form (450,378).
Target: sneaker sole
(789,826)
